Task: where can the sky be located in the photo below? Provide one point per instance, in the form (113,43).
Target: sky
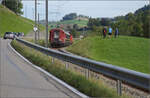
(0,1)
(95,9)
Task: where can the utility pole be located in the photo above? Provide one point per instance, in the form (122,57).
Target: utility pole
(46,24)
(38,27)
(33,12)
(35,20)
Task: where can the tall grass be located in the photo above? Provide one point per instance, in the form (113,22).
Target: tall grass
(81,83)
(40,42)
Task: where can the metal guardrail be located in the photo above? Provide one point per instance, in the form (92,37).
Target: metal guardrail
(137,79)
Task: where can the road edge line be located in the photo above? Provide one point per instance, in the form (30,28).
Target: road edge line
(50,75)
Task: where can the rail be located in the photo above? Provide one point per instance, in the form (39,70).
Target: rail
(137,79)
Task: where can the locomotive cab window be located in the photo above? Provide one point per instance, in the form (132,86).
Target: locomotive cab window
(56,34)
(68,36)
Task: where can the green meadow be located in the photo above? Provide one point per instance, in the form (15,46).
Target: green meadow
(128,52)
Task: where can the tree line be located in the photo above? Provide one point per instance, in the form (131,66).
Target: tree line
(13,5)
(134,24)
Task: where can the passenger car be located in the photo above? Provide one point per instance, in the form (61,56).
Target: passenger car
(20,34)
(9,35)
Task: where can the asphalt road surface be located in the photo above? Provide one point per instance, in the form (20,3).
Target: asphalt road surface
(18,79)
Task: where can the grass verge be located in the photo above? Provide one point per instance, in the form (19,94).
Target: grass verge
(40,42)
(86,86)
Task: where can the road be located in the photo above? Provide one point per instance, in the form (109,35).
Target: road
(18,79)
(31,35)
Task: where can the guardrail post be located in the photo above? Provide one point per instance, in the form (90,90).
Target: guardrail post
(52,59)
(119,91)
(87,73)
(66,65)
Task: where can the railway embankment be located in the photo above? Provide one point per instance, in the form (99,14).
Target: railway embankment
(125,51)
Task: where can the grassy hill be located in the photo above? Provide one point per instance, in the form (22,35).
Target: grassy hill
(80,23)
(129,52)
(9,21)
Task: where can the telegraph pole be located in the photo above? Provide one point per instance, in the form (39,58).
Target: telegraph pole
(35,20)
(46,40)
(38,27)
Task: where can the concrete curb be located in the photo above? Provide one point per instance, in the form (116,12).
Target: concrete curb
(50,75)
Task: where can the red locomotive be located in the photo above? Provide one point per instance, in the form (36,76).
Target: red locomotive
(59,38)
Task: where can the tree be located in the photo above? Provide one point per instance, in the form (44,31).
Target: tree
(14,5)
(68,27)
(75,26)
(137,30)
(105,21)
(73,32)
(70,16)
(146,27)
(93,22)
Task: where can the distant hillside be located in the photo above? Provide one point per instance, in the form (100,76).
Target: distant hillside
(74,16)
(80,23)
(68,23)
(9,21)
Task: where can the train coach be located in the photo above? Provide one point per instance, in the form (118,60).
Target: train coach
(60,38)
